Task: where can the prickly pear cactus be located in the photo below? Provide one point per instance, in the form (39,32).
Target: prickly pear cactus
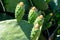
(12,30)
(32,15)
(19,11)
(36,30)
(37,26)
(40,4)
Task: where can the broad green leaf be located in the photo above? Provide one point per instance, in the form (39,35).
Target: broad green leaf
(11,30)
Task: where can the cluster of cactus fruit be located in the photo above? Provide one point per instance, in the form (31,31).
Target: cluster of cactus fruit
(13,29)
(33,18)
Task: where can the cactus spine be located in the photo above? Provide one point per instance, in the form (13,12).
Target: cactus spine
(32,15)
(19,11)
(36,30)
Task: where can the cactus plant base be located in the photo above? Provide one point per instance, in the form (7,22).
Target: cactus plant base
(11,30)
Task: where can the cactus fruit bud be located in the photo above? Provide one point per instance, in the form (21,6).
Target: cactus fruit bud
(36,26)
(19,11)
(33,8)
(36,30)
(51,14)
(41,16)
(38,19)
(21,4)
(32,15)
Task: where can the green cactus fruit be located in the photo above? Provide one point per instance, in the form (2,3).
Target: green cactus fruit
(32,15)
(39,20)
(36,30)
(19,11)
(40,4)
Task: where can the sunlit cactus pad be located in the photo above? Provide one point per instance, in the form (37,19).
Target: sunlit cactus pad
(11,30)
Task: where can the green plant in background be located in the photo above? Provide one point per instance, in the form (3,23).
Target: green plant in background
(48,23)
(40,4)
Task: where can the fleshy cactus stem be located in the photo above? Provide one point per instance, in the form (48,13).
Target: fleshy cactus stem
(19,11)
(36,30)
(32,15)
